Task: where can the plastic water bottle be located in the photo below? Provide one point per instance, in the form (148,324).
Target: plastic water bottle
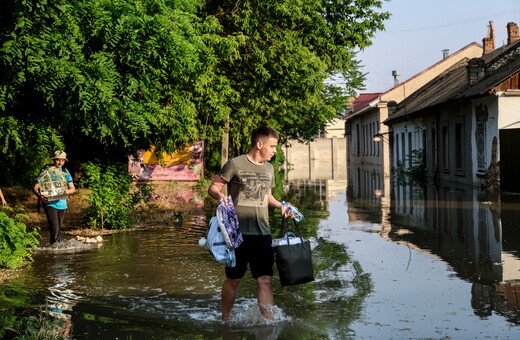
(298,216)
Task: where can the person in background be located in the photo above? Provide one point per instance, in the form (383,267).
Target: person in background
(55,208)
(4,202)
(250,179)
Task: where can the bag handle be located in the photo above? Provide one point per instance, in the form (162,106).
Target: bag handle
(283,232)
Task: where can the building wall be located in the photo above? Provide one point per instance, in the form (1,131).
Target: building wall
(509,107)
(447,138)
(406,138)
(361,148)
(323,158)
(336,128)
(454,140)
(489,107)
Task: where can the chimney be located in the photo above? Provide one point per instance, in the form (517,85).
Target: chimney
(395,74)
(489,41)
(512,32)
(445,53)
(476,70)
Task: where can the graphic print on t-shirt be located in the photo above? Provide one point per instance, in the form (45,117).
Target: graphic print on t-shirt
(254,187)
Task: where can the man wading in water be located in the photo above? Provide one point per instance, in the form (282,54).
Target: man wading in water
(249,180)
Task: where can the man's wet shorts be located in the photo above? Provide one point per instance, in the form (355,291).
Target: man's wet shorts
(256,250)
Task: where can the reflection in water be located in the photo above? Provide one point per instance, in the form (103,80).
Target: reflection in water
(470,231)
(62,295)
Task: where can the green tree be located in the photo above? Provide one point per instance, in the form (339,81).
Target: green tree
(287,50)
(105,78)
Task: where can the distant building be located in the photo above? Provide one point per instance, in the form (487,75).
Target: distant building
(368,159)
(466,121)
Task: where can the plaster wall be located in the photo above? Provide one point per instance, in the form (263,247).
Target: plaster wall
(323,158)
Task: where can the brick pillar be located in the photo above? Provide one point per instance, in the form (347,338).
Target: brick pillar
(512,32)
(489,41)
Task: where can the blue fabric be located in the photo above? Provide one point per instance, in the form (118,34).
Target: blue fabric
(59,204)
(217,245)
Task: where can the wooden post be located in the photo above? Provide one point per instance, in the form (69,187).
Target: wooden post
(225,143)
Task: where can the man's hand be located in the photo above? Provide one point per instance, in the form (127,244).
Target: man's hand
(286,212)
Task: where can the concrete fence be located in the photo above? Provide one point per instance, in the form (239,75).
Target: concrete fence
(324,158)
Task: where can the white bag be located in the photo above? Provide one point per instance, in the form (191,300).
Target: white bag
(289,238)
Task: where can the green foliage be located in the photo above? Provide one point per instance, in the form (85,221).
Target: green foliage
(20,320)
(42,327)
(413,170)
(102,79)
(16,306)
(284,52)
(111,202)
(15,240)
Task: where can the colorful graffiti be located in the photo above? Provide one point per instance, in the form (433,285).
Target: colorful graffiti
(183,165)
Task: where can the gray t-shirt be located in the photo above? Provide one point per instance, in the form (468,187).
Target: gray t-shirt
(249,185)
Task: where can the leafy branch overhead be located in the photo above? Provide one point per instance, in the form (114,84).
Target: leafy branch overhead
(106,78)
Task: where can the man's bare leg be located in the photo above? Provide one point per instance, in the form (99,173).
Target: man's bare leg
(229,293)
(265,296)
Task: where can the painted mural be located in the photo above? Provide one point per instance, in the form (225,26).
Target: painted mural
(183,165)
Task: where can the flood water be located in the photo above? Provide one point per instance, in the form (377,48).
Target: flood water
(440,263)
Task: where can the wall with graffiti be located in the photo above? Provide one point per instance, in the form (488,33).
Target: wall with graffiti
(183,165)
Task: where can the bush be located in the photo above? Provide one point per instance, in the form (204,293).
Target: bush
(15,240)
(111,203)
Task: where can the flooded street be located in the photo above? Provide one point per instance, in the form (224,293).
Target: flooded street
(413,267)
(418,294)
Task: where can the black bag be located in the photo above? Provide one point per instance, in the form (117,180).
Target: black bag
(293,258)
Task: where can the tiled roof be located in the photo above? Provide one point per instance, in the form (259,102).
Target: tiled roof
(362,100)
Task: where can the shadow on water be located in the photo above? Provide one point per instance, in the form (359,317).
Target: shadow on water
(476,234)
(159,284)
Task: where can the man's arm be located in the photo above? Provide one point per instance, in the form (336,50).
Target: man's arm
(215,188)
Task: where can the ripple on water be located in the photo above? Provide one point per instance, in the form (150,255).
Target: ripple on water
(70,245)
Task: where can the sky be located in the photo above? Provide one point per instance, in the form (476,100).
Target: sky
(419,30)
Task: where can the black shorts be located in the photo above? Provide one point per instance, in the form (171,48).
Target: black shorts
(257,250)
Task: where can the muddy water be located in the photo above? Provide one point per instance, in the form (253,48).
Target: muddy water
(411,268)
(159,284)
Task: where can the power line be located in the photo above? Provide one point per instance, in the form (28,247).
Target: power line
(454,23)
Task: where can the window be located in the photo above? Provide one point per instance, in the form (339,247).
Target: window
(365,133)
(396,149)
(410,149)
(434,161)
(378,143)
(357,141)
(445,148)
(459,146)
(403,149)
(371,139)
